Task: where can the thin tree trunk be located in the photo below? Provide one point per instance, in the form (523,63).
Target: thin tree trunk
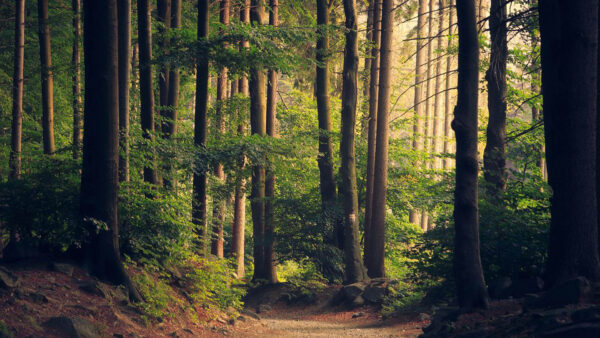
(372,133)
(163,9)
(270,176)
(569,84)
(437,102)
(494,156)
(536,115)
(375,264)
(99,177)
(258,110)
(17,91)
(146,96)
(219,202)
(47,79)
(173,99)
(199,207)
(76,62)
(325,159)
(448,101)
(355,270)
(470,283)
(124,13)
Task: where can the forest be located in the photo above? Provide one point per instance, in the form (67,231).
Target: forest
(257,168)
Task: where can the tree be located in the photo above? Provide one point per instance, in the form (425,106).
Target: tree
(471,289)
(271,129)
(163,8)
(76,62)
(124,14)
(375,262)
(355,270)
(170,126)
(569,84)
(199,209)
(17,91)
(372,132)
(99,176)
(146,93)
(447,100)
(47,79)
(494,156)
(325,158)
(437,101)
(258,111)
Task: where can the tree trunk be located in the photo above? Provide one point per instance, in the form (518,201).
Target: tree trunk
(47,79)
(494,156)
(163,8)
(99,176)
(417,143)
(17,92)
(375,263)
(270,176)
(76,63)
(146,96)
(124,13)
(437,102)
(569,84)
(355,270)
(173,98)
(239,209)
(219,202)
(325,159)
(199,207)
(448,101)
(372,133)
(471,289)
(258,110)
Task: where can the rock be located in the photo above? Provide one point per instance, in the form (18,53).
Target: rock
(423,317)
(74,327)
(358,301)
(118,335)
(91,287)
(38,297)
(352,291)
(263,308)
(500,288)
(221,320)
(65,268)
(523,286)
(378,281)
(573,291)
(358,314)
(586,315)
(374,294)
(286,297)
(250,314)
(581,330)
(19,293)
(8,280)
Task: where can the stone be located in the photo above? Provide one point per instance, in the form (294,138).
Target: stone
(581,330)
(91,287)
(263,308)
(352,291)
(500,288)
(586,315)
(250,314)
(423,317)
(374,294)
(38,297)
(358,301)
(118,335)
(523,286)
(74,327)
(358,314)
(65,268)
(8,280)
(573,291)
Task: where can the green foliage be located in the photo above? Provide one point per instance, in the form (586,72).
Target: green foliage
(158,296)
(402,297)
(5,330)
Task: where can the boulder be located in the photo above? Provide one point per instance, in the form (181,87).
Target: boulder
(74,327)
(573,291)
(375,294)
(523,286)
(500,288)
(352,291)
(91,287)
(358,301)
(263,308)
(8,280)
(65,268)
(250,314)
(581,330)
(38,297)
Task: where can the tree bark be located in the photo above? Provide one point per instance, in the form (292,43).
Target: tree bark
(173,98)
(471,289)
(355,270)
(258,110)
(99,176)
(199,207)
(448,101)
(494,156)
(124,14)
(437,101)
(163,8)
(146,95)
(76,86)
(17,91)
(372,132)
(325,159)
(47,79)
(569,84)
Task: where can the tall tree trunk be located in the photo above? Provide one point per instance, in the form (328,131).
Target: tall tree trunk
(258,111)
(375,263)
(448,101)
(76,63)
(146,96)
(372,133)
(239,209)
(494,156)
(99,176)
(17,91)
(471,289)
(199,207)
(47,79)
(124,13)
(536,116)
(569,84)
(325,159)
(417,143)
(219,201)
(173,99)
(270,175)
(437,102)
(355,270)
(163,9)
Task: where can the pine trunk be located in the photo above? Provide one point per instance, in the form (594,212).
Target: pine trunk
(17,91)
(124,13)
(163,9)
(76,86)
(448,100)
(47,79)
